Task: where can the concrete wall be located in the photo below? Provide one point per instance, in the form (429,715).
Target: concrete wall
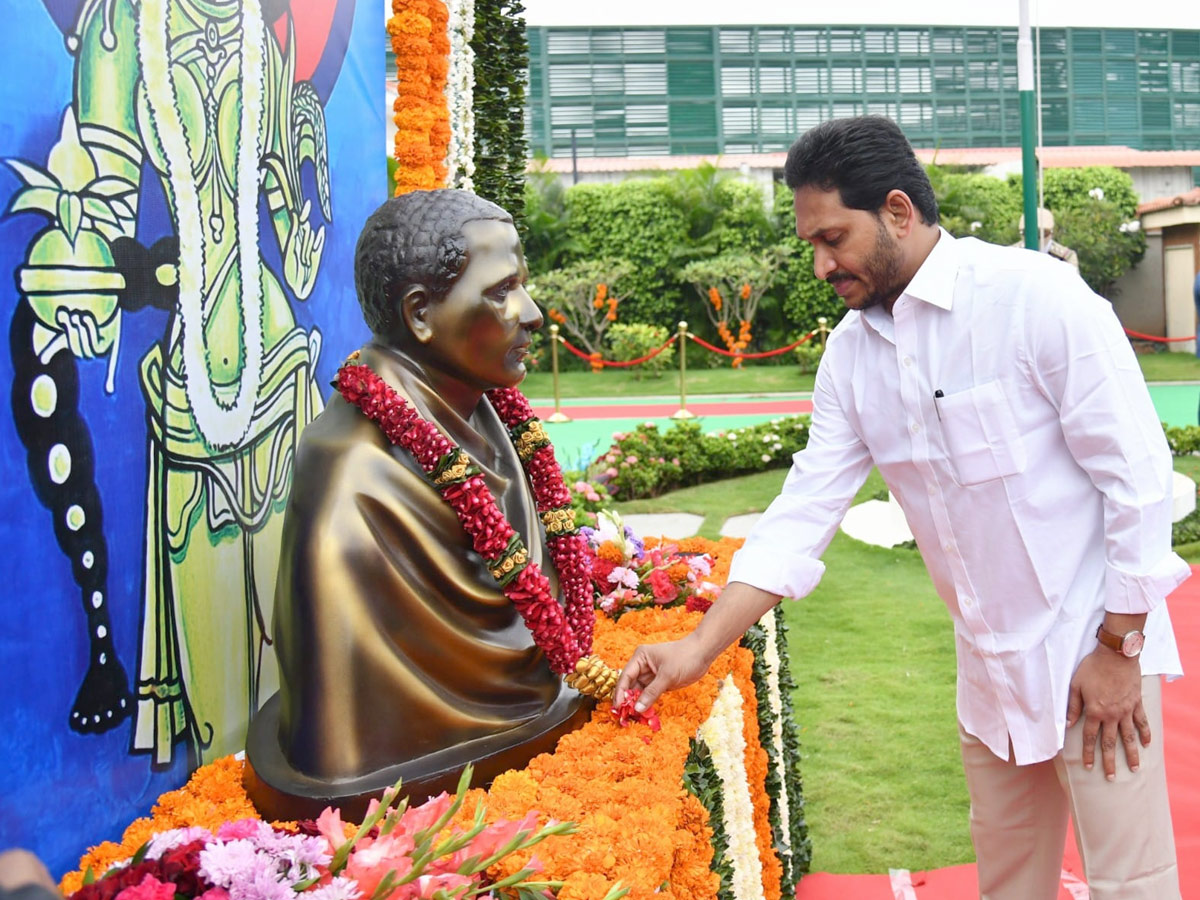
(1139,300)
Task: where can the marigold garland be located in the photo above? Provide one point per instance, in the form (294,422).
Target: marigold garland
(421,45)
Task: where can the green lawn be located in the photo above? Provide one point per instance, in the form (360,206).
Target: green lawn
(1170,366)
(760,379)
(750,381)
(872,652)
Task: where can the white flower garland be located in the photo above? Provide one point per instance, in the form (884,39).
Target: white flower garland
(775,701)
(460,95)
(722,732)
(221,426)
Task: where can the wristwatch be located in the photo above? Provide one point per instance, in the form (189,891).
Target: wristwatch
(1128,644)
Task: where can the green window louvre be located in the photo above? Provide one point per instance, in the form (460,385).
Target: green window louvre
(698,41)
(692,120)
(690,79)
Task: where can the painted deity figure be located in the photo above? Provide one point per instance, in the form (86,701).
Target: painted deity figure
(400,655)
(197,96)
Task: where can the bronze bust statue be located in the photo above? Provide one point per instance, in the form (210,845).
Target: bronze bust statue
(398,653)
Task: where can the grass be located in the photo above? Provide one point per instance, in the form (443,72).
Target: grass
(750,381)
(1170,366)
(872,652)
(756,379)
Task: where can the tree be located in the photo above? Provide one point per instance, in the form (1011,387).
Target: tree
(731,286)
(582,298)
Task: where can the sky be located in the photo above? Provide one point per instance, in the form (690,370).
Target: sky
(1049,13)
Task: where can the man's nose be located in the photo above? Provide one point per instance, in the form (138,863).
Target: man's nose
(530,315)
(823,263)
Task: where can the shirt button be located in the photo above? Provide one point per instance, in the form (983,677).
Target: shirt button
(914,428)
(908,361)
(966,602)
(947,546)
(932,490)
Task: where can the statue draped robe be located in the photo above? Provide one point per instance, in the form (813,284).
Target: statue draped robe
(398,653)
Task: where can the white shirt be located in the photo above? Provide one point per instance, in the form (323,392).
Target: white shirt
(1037,484)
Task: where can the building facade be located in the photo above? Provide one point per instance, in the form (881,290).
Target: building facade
(677,90)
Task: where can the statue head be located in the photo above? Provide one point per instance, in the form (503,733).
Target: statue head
(440,274)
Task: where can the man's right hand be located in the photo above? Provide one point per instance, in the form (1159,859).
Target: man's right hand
(658,668)
(655,669)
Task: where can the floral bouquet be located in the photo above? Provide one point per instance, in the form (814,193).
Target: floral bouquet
(397,853)
(628,574)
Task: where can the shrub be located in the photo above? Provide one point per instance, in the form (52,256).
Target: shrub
(635,221)
(808,355)
(647,462)
(628,341)
(583,298)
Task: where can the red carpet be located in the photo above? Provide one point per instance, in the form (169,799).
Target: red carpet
(662,410)
(1181,715)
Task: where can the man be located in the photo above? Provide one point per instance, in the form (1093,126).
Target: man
(398,653)
(1004,408)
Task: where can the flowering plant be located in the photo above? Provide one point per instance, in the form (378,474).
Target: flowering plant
(398,853)
(627,574)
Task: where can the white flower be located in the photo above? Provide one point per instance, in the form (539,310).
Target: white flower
(722,732)
(1096,193)
(732,436)
(1130,227)
(777,446)
(766,457)
(975,226)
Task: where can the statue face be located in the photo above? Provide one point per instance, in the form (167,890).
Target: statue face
(479,333)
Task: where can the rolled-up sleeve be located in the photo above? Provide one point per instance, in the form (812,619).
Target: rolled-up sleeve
(781,553)
(1083,363)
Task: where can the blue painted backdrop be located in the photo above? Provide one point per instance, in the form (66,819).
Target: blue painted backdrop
(76,642)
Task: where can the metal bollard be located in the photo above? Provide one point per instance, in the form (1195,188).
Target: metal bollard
(558,415)
(683,412)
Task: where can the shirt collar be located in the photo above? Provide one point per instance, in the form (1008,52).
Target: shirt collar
(933,283)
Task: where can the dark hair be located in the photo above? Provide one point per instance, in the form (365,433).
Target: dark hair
(864,158)
(416,238)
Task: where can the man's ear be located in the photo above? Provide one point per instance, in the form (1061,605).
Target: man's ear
(414,307)
(899,213)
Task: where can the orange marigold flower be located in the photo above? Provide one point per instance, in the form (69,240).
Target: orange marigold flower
(611,552)
(714,297)
(746,291)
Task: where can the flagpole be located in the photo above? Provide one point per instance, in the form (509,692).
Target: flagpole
(1028,123)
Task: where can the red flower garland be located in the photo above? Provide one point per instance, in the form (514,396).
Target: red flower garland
(564,636)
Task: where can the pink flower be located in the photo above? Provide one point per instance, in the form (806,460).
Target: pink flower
(419,818)
(631,459)
(242,828)
(610,471)
(664,589)
(623,576)
(581,486)
(330,827)
(215,893)
(150,888)
(373,859)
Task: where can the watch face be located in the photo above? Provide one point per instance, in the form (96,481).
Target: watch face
(1131,644)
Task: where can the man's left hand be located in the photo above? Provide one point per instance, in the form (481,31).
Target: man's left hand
(1107,691)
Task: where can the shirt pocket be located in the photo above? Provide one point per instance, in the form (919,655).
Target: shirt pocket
(981,434)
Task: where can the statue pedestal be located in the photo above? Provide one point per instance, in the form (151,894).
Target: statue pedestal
(280,792)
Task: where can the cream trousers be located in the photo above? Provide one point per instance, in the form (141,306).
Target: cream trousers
(1123,828)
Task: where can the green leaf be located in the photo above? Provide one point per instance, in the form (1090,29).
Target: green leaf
(99,210)
(70,214)
(38,199)
(89,876)
(34,176)
(140,854)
